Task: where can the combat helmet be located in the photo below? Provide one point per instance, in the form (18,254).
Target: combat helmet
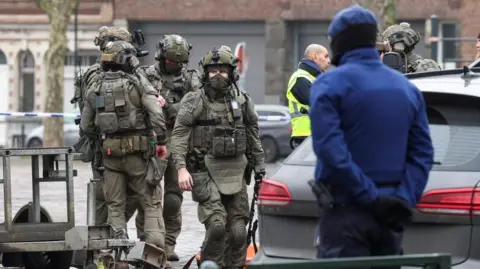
(217,57)
(236,73)
(401,33)
(107,34)
(118,52)
(226,48)
(174,48)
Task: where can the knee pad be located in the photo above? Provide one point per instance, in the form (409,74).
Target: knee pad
(154,229)
(238,232)
(216,228)
(172,203)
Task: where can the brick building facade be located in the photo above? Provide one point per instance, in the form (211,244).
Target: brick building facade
(24,28)
(278,14)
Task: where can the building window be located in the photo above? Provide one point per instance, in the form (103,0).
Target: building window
(84,58)
(449,48)
(27,82)
(3,58)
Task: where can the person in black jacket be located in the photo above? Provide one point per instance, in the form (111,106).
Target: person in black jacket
(316,60)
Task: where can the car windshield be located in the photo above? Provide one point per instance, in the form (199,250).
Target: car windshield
(454,122)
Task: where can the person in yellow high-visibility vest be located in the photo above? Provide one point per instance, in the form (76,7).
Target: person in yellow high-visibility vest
(316,60)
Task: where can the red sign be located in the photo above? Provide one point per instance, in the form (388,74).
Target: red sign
(241,54)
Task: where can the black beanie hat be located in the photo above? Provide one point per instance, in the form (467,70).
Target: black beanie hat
(353,37)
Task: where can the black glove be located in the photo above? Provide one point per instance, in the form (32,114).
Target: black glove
(394,212)
(259,176)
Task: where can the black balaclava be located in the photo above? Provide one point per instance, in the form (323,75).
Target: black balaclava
(353,37)
(169,69)
(218,85)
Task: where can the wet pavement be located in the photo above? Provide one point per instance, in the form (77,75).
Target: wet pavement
(53,198)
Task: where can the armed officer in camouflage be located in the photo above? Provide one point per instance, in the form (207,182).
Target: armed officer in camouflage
(83,82)
(403,39)
(122,107)
(213,129)
(172,80)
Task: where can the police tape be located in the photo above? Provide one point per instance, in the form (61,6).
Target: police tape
(40,115)
(75,115)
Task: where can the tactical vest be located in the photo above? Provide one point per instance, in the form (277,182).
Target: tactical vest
(118,105)
(172,88)
(219,130)
(418,64)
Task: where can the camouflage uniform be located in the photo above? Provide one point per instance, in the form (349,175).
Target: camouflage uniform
(214,128)
(403,34)
(121,105)
(172,80)
(83,82)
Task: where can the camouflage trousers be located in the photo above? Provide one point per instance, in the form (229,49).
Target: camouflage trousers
(172,208)
(225,218)
(125,177)
(101,211)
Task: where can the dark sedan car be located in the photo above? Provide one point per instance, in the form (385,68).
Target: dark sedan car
(447,219)
(275,131)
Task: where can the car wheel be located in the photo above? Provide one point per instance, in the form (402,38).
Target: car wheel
(35,143)
(270,149)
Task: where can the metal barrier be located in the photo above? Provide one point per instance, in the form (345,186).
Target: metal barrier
(430,261)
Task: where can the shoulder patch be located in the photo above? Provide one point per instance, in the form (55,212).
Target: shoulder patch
(190,101)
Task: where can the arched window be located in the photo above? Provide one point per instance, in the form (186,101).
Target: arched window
(27,82)
(3,58)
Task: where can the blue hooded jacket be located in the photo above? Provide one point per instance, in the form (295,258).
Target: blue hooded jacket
(369,126)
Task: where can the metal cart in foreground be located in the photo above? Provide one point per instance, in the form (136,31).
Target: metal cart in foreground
(32,240)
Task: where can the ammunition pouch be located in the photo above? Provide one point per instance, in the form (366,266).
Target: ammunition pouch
(121,146)
(200,190)
(107,122)
(155,170)
(198,170)
(228,142)
(86,147)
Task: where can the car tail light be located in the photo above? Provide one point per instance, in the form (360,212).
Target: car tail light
(273,193)
(461,201)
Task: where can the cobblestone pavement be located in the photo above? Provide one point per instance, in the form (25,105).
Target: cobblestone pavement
(53,194)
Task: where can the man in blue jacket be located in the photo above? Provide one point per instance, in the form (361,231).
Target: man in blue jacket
(371,137)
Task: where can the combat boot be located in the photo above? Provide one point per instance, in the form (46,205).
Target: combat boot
(171,255)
